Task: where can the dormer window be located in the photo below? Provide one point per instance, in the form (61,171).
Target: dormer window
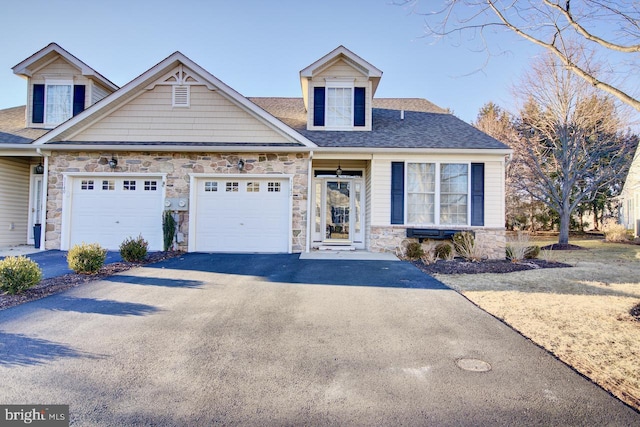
(339,106)
(56,101)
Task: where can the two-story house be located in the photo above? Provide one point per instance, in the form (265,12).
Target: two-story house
(336,168)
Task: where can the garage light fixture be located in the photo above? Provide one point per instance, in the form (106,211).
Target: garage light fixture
(113,163)
(39,169)
(240,165)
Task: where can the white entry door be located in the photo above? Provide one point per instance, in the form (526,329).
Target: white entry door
(107,210)
(339,210)
(241,215)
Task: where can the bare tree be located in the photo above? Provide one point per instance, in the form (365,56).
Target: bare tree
(569,140)
(603,31)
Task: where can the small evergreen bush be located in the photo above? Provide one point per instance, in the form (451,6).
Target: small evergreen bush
(18,274)
(86,258)
(134,250)
(444,251)
(414,250)
(168,230)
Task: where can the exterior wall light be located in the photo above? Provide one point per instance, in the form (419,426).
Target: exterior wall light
(241,165)
(113,163)
(39,169)
(339,170)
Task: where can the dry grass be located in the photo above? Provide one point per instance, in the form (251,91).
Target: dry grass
(579,314)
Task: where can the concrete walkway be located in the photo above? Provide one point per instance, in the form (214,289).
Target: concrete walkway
(275,340)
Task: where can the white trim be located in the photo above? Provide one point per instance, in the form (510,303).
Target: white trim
(437,195)
(22,67)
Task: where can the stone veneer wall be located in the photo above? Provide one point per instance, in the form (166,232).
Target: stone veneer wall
(389,239)
(178,166)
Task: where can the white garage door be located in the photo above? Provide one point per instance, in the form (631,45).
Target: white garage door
(242,215)
(107,210)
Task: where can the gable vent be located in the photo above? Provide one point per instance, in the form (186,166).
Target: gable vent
(180,96)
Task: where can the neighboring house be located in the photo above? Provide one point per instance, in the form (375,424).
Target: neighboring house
(630,197)
(336,168)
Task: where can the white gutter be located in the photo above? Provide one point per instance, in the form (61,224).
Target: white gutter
(43,207)
(309,192)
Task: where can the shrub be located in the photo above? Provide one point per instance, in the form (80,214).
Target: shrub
(18,274)
(429,256)
(444,251)
(414,251)
(168,230)
(614,232)
(464,242)
(134,250)
(532,252)
(86,258)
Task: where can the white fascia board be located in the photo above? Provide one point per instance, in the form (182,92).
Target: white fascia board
(138,84)
(341,50)
(22,67)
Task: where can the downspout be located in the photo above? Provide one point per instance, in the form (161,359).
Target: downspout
(43,207)
(309,192)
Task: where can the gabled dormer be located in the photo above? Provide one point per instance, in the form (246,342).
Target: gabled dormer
(59,86)
(337,90)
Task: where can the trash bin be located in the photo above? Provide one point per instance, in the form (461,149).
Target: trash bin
(36,235)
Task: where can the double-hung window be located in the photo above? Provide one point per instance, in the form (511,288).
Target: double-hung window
(437,194)
(339,106)
(56,101)
(339,109)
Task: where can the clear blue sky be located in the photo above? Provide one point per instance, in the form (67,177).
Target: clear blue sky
(258,47)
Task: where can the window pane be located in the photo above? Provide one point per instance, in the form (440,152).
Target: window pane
(339,107)
(58,103)
(454,185)
(421,185)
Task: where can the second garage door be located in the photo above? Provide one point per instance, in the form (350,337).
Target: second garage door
(241,215)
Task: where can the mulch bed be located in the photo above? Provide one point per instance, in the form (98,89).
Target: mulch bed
(460,266)
(58,284)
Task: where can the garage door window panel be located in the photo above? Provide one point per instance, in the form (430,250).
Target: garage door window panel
(86,184)
(232,187)
(253,187)
(150,185)
(108,185)
(210,186)
(129,185)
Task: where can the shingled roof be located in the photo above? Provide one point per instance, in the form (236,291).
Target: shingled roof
(425,125)
(12,130)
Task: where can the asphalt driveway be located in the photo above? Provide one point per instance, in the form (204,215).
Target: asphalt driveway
(274,340)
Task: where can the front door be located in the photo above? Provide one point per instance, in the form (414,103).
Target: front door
(339,211)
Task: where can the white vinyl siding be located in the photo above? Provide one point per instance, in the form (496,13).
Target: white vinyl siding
(493,191)
(98,93)
(210,118)
(14,201)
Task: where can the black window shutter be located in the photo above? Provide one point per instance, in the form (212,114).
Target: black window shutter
(37,114)
(78,99)
(397,192)
(318,106)
(477,193)
(358,106)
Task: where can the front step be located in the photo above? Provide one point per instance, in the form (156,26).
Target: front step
(340,247)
